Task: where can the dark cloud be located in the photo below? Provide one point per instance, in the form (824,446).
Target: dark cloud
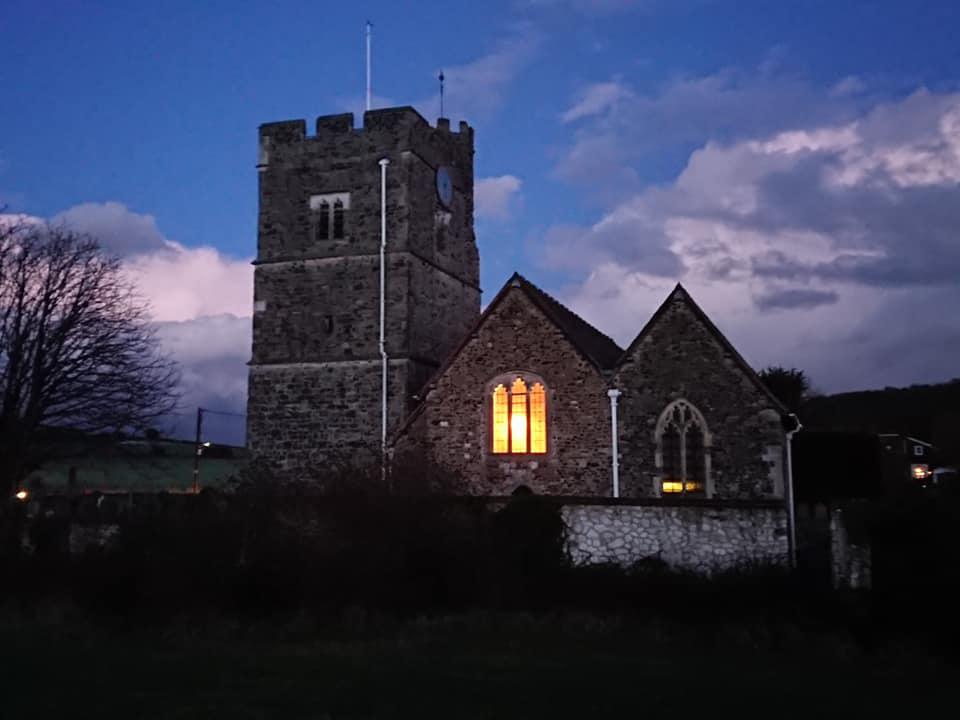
(631,128)
(795,298)
(212,352)
(118,230)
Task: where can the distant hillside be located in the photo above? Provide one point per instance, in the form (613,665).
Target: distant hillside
(928,412)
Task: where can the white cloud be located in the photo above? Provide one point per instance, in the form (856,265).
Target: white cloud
(183,283)
(476,89)
(201,302)
(494,197)
(805,245)
(596,99)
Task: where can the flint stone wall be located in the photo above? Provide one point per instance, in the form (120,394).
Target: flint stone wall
(680,356)
(702,539)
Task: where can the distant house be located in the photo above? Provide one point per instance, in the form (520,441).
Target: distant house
(906,459)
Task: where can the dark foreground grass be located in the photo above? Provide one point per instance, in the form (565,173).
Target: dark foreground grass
(470,666)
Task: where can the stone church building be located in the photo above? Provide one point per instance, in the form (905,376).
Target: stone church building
(669,448)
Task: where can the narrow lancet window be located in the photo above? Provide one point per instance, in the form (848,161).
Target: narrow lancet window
(538,419)
(323,221)
(338,220)
(501,420)
(518,416)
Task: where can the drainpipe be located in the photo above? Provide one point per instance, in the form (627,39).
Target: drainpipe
(791,511)
(383,301)
(613,394)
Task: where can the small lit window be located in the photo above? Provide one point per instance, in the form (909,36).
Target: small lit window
(918,450)
(519,417)
(681,438)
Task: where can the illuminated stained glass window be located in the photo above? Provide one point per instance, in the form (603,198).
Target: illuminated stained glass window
(519,416)
(682,449)
(501,420)
(538,419)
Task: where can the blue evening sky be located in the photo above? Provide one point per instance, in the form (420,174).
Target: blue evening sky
(156,104)
(622,145)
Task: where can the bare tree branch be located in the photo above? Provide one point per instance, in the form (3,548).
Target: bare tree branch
(77,348)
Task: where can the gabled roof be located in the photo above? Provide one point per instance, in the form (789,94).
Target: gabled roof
(596,347)
(680,292)
(600,349)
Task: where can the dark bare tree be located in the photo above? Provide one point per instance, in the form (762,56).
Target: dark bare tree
(77,349)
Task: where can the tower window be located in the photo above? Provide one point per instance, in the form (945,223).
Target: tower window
(338,220)
(322,222)
(519,417)
(329,215)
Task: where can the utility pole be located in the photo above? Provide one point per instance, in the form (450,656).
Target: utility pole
(197,449)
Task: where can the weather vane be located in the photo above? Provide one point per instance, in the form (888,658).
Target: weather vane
(440,77)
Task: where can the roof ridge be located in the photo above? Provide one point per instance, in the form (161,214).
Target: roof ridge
(555,305)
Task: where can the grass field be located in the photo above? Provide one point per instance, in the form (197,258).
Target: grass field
(473,666)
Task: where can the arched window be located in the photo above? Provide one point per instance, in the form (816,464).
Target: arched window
(683,444)
(519,416)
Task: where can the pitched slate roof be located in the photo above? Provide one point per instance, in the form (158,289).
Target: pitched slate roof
(680,293)
(603,351)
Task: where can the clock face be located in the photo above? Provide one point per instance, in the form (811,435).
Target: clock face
(444,186)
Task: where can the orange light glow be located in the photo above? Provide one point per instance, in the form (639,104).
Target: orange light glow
(501,432)
(678,486)
(22,495)
(518,416)
(538,419)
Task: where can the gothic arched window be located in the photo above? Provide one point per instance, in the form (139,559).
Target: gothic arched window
(682,450)
(518,412)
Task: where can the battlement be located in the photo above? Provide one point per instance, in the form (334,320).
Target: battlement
(381,121)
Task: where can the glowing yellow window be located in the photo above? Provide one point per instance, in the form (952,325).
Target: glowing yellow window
(501,420)
(519,416)
(538,419)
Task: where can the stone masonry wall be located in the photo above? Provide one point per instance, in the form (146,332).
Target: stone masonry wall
(311,418)
(679,357)
(517,337)
(697,538)
(314,388)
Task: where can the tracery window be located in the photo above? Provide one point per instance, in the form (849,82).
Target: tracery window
(682,450)
(519,417)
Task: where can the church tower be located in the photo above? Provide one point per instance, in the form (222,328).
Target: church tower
(315,376)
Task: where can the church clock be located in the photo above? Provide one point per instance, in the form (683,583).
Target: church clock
(444,186)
